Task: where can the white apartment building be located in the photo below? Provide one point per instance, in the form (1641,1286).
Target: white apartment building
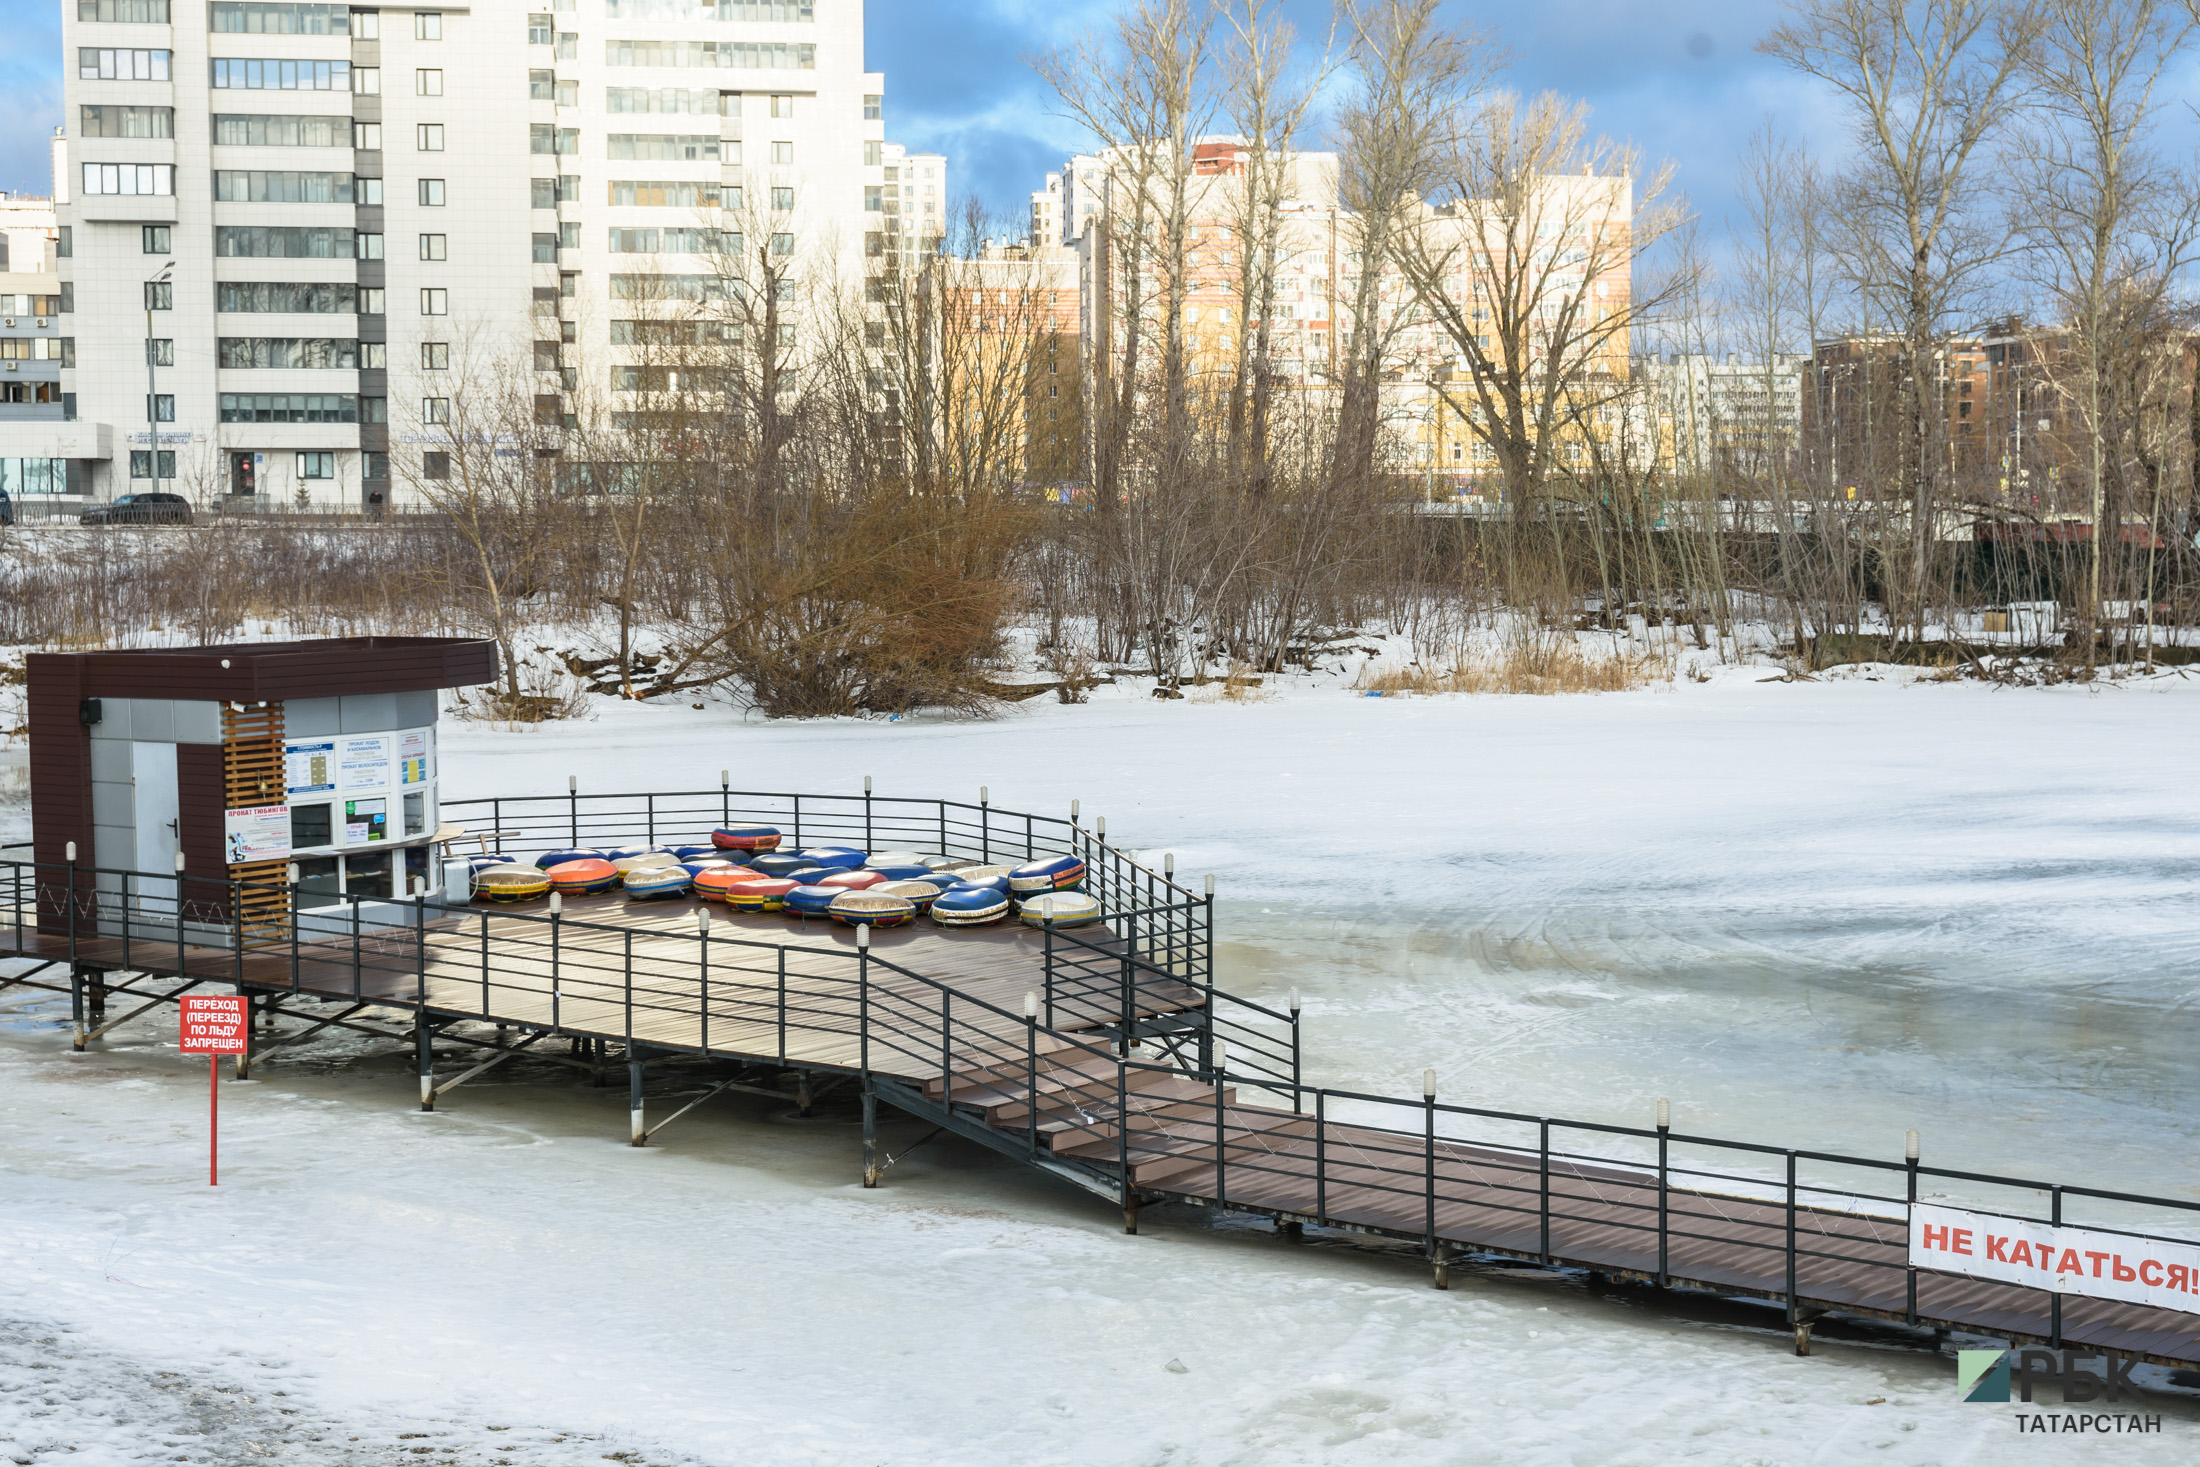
(1733,411)
(37,444)
(914,208)
(337,216)
(1046,213)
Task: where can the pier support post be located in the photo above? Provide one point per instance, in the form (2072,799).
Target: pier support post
(1130,1214)
(1291,1232)
(802,1093)
(1441,1262)
(870,1135)
(76,1008)
(636,1133)
(424,1050)
(95,997)
(1802,1336)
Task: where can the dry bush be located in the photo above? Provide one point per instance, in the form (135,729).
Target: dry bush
(1538,665)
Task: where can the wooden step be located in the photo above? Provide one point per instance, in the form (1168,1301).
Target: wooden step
(1013,1111)
(1189,1143)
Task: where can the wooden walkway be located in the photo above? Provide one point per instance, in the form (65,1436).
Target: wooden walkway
(937,1016)
(1181,1144)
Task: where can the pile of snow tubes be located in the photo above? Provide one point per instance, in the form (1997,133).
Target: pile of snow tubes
(744,867)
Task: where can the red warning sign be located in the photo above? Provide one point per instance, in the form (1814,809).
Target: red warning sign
(213,1024)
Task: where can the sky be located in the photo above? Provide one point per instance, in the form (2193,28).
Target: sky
(1681,80)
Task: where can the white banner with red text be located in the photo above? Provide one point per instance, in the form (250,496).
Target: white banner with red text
(2064,1259)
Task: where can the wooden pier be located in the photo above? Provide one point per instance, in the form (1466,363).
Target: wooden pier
(1105,1055)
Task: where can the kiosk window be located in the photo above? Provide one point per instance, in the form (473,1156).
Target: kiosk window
(368,876)
(309,827)
(416,814)
(366,820)
(318,876)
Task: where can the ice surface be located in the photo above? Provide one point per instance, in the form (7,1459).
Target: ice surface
(1809,913)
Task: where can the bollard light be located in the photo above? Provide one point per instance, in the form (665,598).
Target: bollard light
(725,778)
(71,850)
(1428,1084)
(1665,1114)
(1210,883)
(1100,826)
(1222,1055)
(1294,1003)
(702,921)
(179,862)
(983,796)
(1031,1006)
(290,873)
(1909,1145)
(863,937)
(1073,812)
(572,784)
(1168,865)
(557,903)
(866,784)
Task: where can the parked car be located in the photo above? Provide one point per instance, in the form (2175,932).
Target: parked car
(140,509)
(7,509)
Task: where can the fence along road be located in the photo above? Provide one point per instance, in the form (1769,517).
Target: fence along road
(1106,1056)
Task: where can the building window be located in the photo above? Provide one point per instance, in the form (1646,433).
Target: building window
(782,152)
(130,178)
(317,465)
(370,246)
(367,80)
(427,25)
(435,356)
(435,465)
(374,355)
(434,247)
(874,107)
(428,137)
(367,136)
(160,295)
(546,356)
(141,12)
(102,63)
(541,84)
(369,191)
(290,407)
(435,410)
(162,407)
(538,30)
(160,351)
(569,46)
(435,301)
(427,81)
(252,74)
(546,249)
(374,410)
(569,94)
(874,152)
(367,24)
(370,300)
(782,244)
(545,193)
(126,122)
(154,238)
(374,466)
(431,193)
(142,465)
(569,235)
(782,199)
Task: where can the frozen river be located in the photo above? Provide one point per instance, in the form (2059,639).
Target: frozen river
(1809,915)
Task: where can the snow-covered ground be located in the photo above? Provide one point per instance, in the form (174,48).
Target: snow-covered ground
(1810,913)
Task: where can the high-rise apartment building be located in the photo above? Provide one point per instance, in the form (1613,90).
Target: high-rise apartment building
(336,217)
(37,445)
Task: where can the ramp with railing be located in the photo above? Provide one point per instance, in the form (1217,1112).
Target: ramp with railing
(1105,1055)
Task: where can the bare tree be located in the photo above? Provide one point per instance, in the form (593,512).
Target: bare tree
(1928,85)
(2111,225)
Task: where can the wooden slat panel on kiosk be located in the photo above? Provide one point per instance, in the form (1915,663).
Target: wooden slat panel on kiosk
(252,774)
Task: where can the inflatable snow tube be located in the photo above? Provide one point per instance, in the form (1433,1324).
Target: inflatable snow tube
(686,854)
(582,878)
(558,858)
(513,883)
(833,858)
(657,883)
(710,882)
(494,858)
(904,872)
(993,877)
(872,909)
(778,863)
(1062,908)
(745,838)
(625,864)
(813,901)
(919,894)
(946,863)
(1055,873)
(758,894)
(852,880)
(970,906)
(882,859)
(939,880)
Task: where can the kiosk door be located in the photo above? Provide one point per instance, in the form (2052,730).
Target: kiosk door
(153,771)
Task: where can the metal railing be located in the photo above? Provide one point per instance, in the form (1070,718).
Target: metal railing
(1806,1228)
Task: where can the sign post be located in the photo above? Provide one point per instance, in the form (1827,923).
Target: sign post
(213,1025)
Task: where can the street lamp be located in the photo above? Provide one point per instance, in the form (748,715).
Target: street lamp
(152,399)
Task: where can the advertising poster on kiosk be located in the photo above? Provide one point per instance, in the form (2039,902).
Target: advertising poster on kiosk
(260,833)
